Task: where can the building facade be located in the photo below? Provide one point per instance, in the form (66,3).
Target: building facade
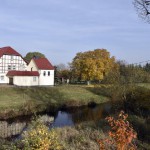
(45,69)
(23,78)
(10,60)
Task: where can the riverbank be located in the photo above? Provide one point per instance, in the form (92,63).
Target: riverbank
(17,101)
(83,136)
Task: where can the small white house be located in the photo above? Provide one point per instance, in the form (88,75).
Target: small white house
(45,69)
(23,78)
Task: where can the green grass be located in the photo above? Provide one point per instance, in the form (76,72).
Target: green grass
(15,100)
(81,94)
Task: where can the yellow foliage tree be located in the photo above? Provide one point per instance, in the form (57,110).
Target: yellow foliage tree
(93,65)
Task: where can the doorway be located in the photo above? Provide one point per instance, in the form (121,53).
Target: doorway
(11,81)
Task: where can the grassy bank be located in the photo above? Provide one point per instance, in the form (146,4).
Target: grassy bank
(22,101)
(80,137)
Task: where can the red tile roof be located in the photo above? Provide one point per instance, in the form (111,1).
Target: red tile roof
(8,51)
(43,64)
(22,73)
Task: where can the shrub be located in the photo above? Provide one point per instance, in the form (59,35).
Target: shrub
(40,137)
(121,135)
(138,101)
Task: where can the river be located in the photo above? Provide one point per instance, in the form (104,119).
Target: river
(14,127)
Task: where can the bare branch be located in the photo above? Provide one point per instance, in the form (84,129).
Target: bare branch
(143,9)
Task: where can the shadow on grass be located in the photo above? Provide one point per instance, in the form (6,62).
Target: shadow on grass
(42,94)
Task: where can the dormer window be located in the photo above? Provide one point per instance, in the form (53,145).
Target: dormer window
(44,73)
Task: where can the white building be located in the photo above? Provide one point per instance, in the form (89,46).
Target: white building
(45,69)
(14,70)
(10,60)
(23,78)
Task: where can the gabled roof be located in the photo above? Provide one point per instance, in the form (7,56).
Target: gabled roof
(22,73)
(8,51)
(43,64)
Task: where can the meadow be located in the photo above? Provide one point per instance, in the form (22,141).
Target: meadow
(16,101)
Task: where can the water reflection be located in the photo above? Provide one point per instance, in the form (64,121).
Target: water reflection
(77,115)
(89,114)
(15,128)
(63,119)
(60,119)
(9,130)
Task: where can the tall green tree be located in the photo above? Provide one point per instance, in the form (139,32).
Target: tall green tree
(30,55)
(92,65)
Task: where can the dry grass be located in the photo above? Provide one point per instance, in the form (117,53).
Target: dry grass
(80,137)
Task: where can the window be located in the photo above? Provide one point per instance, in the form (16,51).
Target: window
(44,73)
(11,57)
(48,73)
(2,78)
(34,79)
(9,67)
(14,67)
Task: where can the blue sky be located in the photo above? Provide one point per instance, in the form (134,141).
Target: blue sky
(61,28)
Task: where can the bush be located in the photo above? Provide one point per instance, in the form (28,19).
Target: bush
(121,135)
(138,101)
(39,137)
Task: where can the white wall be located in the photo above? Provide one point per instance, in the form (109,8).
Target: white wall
(15,63)
(32,65)
(5,80)
(46,80)
(25,81)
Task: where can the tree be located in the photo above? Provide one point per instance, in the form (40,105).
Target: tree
(62,66)
(92,65)
(143,9)
(30,55)
(147,67)
(62,73)
(133,73)
(63,70)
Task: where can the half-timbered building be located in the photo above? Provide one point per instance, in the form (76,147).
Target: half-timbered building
(10,60)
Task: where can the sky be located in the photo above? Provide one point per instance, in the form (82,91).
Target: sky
(61,28)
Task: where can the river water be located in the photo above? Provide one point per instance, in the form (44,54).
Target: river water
(14,127)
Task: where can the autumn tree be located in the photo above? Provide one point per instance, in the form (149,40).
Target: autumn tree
(30,55)
(143,9)
(92,65)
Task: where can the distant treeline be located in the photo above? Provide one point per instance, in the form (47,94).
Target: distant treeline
(129,73)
